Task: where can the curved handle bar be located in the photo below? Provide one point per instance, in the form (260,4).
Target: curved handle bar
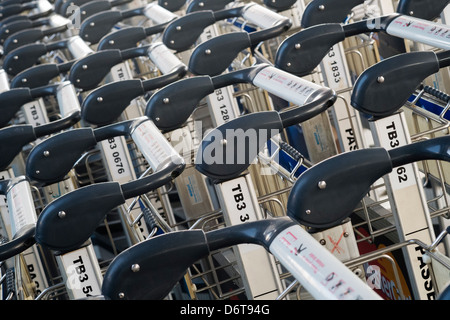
(84,208)
(23,239)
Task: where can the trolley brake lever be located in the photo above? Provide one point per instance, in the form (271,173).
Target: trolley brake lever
(229,149)
(105,104)
(185,247)
(183,32)
(303,51)
(11,101)
(53,158)
(86,207)
(93,28)
(23,239)
(155,257)
(419,9)
(29,36)
(86,73)
(12,140)
(128,37)
(430,149)
(384,88)
(15,9)
(199,5)
(349,176)
(327,11)
(28,55)
(63,8)
(9,29)
(215,55)
(40,75)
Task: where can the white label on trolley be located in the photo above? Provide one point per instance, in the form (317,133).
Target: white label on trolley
(35,112)
(158,14)
(285,85)
(238,201)
(392,136)
(261,16)
(4,81)
(154,146)
(116,158)
(254,261)
(431,33)
(81,277)
(78,48)
(163,58)
(316,268)
(20,205)
(67,99)
(335,72)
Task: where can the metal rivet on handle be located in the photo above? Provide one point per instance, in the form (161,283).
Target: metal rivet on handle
(100,99)
(46,153)
(207,51)
(380,79)
(321,7)
(297,46)
(322,185)
(308,211)
(121,295)
(61,214)
(166,100)
(84,67)
(178,28)
(135,267)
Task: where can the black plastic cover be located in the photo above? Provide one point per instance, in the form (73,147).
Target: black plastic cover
(23,239)
(163,261)
(23,57)
(10,103)
(106,103)
(229,149)
(427,10)
(303,51)
(87,72)
(345,180)
(279,5)
(384,88)
(96,26)
(172,105)
(93,7)
(53,158)
(12,140)
(326,11)
(13,27)
(199,5)
(172,5)
(84,209)
(22,38)
(36,76)
(215,55)
(122,39)
(183,32)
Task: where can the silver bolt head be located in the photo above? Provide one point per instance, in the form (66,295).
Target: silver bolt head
(322,185)
(61,214)
(135,267)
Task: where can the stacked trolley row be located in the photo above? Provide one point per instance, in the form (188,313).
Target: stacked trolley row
(125,83)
